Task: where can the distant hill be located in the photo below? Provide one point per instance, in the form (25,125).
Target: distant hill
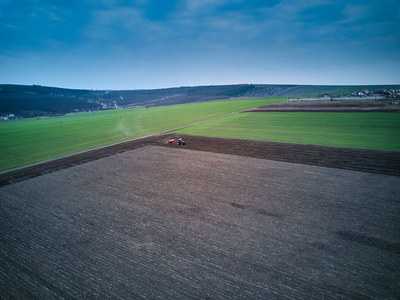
(36,100)
(31,101)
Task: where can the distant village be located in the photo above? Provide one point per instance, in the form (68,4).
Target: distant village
(8,117)
(104,104)
(375,94)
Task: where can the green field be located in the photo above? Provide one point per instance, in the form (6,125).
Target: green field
(379,131)
(29,141)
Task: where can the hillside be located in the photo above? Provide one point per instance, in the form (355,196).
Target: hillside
(31,101)
(36,100)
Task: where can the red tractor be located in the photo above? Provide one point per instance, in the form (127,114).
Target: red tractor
(178,142)
(171,142)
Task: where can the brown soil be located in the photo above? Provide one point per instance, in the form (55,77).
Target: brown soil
(330,106)
(214,219)
(173,223)
(381,162)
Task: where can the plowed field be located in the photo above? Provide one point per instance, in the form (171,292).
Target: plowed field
(381,162)
(215,219)
(362,105)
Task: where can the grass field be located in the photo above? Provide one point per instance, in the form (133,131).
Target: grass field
(29,141)
(379,131)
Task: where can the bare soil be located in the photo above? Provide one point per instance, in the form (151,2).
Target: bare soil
(214,219)
(381,162)
(381,105)
(176,223)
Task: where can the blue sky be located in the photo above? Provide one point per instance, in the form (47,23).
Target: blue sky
(143,44)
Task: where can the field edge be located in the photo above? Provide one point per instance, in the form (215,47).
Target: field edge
(370,161)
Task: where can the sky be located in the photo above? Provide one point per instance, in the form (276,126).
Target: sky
(147,44)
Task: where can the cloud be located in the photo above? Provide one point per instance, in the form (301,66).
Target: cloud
(233,35)
(97,3)
(202,6)
(334,21)
(39,26)
(159,10)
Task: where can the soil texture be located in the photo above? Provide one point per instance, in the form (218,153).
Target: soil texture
(381,162)
(381,105)
(176,223)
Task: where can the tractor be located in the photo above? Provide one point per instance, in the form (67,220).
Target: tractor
(176,142)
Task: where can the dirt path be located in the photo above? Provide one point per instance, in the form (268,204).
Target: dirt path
(380,162)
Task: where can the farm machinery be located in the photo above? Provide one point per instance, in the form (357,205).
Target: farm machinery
(176,142)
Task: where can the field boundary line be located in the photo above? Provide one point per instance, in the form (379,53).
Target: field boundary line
(114,144)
